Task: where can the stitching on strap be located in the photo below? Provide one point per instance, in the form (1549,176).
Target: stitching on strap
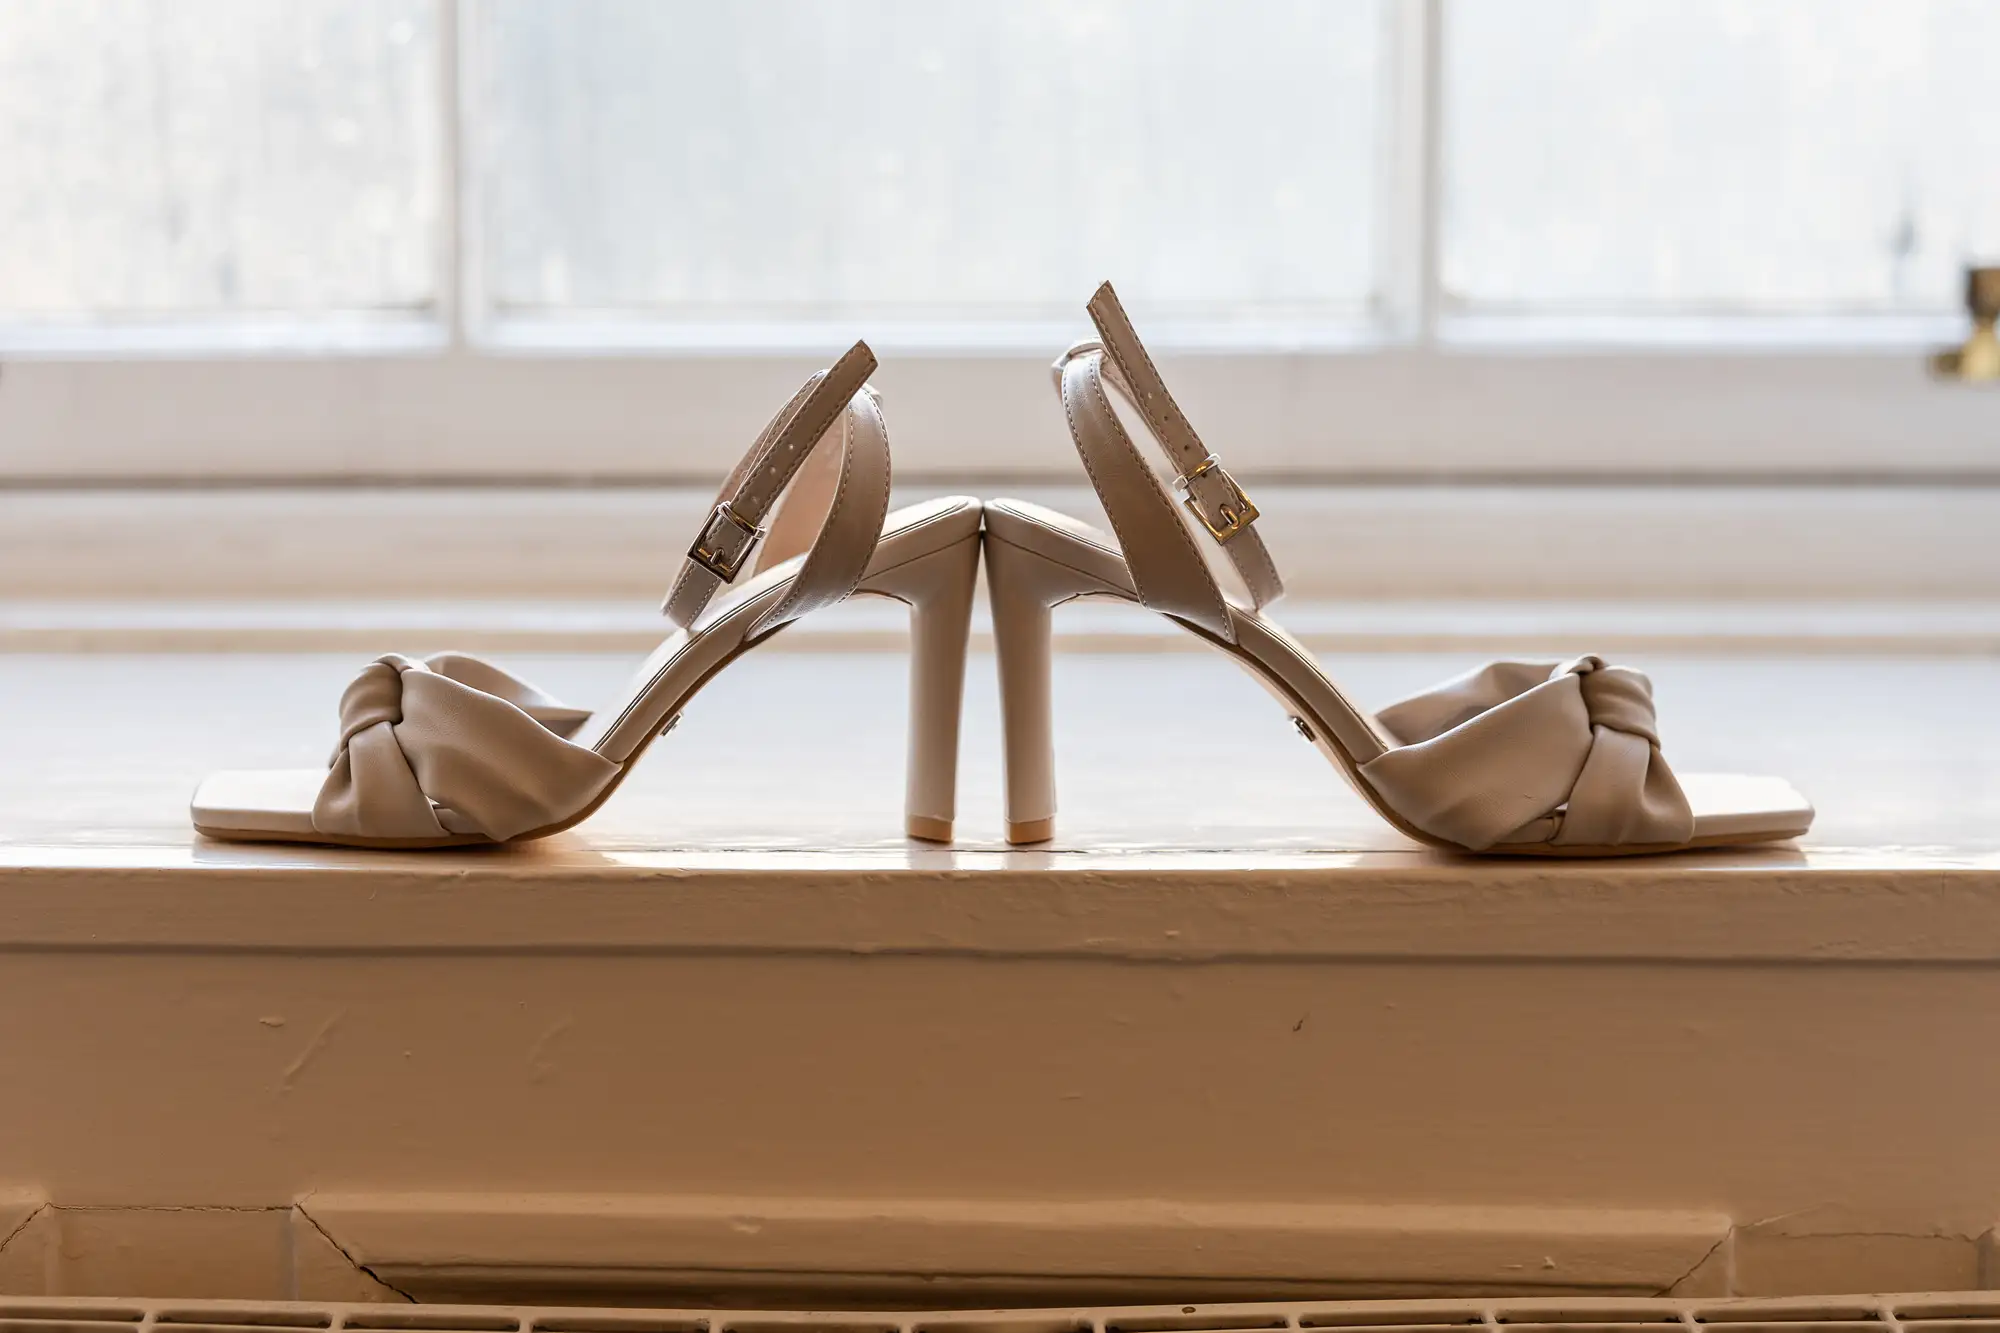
(1177,438)
(1115,429)
(828,543)
(776,456)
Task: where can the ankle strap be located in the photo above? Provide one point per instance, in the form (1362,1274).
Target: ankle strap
(1167,567)
(850,490)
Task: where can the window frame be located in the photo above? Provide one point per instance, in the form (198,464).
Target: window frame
(458,393)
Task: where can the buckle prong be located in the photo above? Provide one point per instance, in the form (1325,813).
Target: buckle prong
(1233,513)
(708,552)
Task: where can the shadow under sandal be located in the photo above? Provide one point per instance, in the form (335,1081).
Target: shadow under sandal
(451,750)
(1525,758)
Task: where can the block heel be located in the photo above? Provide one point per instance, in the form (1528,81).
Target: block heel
(938,588)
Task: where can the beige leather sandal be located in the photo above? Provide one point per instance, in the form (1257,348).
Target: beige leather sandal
(452,750)
(1528,758)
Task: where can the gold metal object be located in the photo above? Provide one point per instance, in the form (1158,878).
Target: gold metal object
(707,551)
(1231,516)
(1978,361)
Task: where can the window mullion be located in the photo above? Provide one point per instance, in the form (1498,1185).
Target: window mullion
(457,277)
(1431,188)
(1407,207)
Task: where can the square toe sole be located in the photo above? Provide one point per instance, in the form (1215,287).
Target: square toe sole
(277,801)
(1739,805)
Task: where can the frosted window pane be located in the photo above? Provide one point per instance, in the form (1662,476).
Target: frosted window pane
(806,158)
(1781,155)
(216,155)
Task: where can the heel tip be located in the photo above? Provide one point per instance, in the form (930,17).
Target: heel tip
(1031,830)
(928,829)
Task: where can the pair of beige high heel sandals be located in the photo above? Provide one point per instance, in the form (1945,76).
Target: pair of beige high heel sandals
(1534,758)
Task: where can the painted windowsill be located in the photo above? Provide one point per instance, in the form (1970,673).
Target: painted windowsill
(1227,1036)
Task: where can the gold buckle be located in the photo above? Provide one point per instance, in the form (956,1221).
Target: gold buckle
(708,553)
(1235,513)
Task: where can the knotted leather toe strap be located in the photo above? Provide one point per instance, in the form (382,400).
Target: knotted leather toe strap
(1484,755)
(459,732)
